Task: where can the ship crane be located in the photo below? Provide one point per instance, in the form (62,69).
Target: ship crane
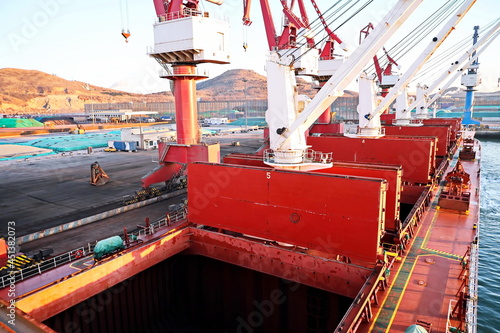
(367,95)
(305,58)
(470,81)
(293,24)
(456,69)
(387,78)
(456,195)
(289,138)
(295,38)
(184,37)
(296,27)
(328,61)
(369,121)
(295,49)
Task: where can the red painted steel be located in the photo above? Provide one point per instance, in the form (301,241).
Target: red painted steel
(387,118)
(3,252)
(327,128)
(300,208)
(172,156)
(392,174)
(455,123)
(326,117)
(416,155)
(245,159)
(411,193)
(186,117)
(161,174)
(14,320)
(438,270)
(193,153)
(159,7)
(188,148)
(441,132)
(330,275)
(47,302)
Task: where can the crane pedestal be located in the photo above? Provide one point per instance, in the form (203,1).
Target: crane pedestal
(188,149)
(174,157)
(326,117)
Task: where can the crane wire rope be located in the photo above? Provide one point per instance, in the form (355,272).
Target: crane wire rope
(124,15)
(441,62)
(332,16)
(317,24)
(357,11)
(415,36)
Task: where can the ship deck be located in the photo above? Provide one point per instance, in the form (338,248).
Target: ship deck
(427,281)
(422,284)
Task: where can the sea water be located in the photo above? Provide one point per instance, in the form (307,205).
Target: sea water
(489,244)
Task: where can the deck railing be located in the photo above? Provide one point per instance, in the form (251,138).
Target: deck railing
(451,306)
(297,156)
(81,252)
(166,221)
(38,268)
(418,209)
(471,309)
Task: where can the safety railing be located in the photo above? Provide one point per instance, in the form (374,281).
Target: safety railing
(417,212)
(186,12)
(451,306)
(174,72)
(411,121)
(15,276)
(296,156)
(365,131)
(471,309)
(169,219)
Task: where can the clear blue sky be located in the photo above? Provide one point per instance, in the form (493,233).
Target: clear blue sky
(80,40)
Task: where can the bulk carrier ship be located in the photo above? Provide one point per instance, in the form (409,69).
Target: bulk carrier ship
(318,231)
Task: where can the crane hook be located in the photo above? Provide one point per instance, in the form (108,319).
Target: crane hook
(126,35)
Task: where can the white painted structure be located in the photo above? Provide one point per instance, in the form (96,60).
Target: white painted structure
(436,41)
(216,121)
(466,60)
(288,124)
(471,80)
(305,60)
(367,102)
(197,38)
(147,138)
(122,115)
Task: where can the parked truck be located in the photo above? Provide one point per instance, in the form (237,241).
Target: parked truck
(122,145)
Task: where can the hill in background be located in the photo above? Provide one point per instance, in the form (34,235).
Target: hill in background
(34,92)
(30,91)
(256,86)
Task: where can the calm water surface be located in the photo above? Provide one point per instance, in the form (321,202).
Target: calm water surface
(489,255)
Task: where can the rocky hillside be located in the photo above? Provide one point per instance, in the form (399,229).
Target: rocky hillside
(233,81)
(29,91)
